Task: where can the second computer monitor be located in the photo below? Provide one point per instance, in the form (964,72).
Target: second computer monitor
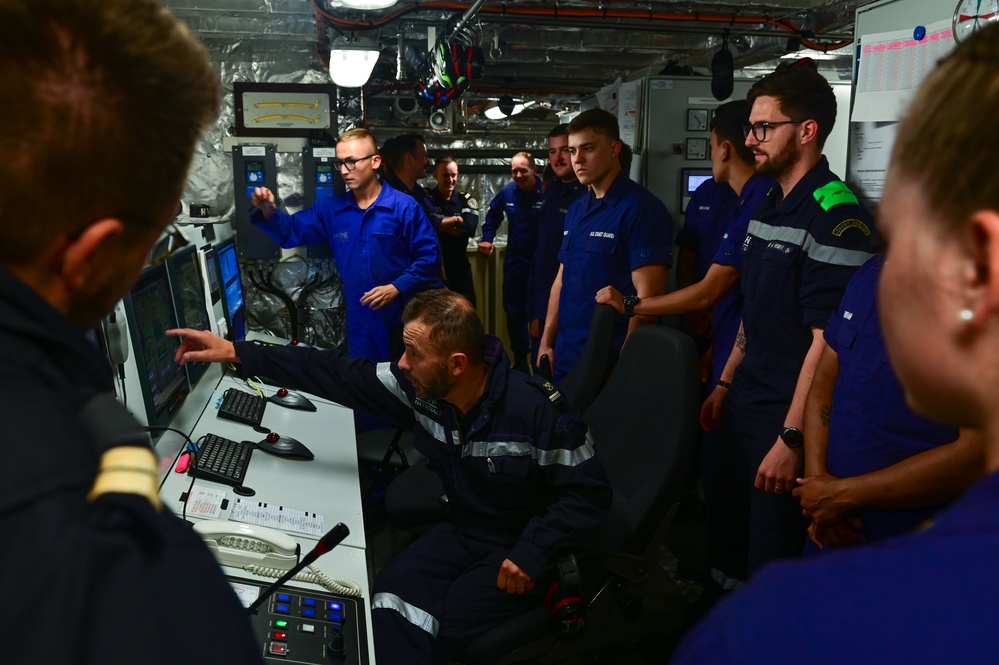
(232,289)
(188,287)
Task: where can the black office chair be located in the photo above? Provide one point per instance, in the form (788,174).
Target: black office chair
(644,423)
(416,496)
(583,382)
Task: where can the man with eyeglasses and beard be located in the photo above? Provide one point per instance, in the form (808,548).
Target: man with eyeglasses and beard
(803,245)
(384,246)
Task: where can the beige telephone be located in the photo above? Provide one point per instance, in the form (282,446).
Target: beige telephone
(265,552)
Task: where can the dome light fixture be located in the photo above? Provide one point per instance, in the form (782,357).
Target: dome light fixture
(367,5)
(352,59)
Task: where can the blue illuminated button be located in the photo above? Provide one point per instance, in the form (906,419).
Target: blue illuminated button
(278,649)
(309,614)
(281,608)
(335,607)
(336,616)
(309,602)
(283,598)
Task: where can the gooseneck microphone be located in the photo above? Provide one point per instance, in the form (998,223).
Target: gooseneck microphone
(332,538)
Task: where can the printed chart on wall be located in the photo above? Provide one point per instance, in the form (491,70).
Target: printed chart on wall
(892,65)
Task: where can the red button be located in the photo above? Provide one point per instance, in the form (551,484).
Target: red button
(278,635)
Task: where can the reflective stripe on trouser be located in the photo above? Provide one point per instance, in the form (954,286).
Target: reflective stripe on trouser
(439,595)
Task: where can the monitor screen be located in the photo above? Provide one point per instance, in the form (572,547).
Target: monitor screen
(150,312)
(214,286)
(235,311)
(188,288)
(694,178)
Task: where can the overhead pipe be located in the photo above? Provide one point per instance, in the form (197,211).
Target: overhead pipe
(575,12)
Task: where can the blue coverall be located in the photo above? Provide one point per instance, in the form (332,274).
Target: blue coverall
(391,242)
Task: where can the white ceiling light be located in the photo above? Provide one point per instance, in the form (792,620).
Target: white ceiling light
(494,112)
(352,60)
(366,5)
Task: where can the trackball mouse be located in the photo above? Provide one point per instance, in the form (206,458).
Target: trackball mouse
(292,400)
(285,446)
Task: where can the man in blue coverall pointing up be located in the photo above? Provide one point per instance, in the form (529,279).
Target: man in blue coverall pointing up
(383,245)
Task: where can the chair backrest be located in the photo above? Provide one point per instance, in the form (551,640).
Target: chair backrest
(583,382)
(644,424)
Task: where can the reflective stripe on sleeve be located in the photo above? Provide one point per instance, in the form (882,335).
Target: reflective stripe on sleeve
(524,449)
(385,375)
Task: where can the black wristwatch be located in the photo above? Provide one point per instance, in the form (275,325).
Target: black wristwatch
(629,305)
(792,437)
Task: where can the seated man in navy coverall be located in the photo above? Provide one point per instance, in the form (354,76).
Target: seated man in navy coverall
(102,103)
(517,464)
(929,597)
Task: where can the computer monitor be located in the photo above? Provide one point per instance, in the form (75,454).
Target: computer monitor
(690,180)
(150,311)
(212,270)
(232,289)
(188,287)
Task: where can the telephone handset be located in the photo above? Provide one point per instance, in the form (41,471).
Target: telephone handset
(265,552)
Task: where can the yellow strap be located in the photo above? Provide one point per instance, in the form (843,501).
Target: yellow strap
(127,470)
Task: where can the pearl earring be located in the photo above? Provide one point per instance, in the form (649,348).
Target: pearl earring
(966,315)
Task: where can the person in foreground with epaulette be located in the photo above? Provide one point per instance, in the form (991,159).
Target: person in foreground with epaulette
(517,464)
(805,241)
(101,106)
(928,597)
(459,218)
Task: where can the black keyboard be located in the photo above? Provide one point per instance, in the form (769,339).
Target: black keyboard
(222,460)
(242,407)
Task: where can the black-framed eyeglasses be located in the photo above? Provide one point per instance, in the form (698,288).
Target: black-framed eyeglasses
(759,129)
(351,164)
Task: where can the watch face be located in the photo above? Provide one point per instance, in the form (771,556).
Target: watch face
(972,15)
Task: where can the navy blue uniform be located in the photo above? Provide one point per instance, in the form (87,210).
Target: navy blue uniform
(421,196)
(800,253)
(709,211)
(872,427)
(555,203)
(390,242)
(521,208)
(604,241)
(925,598)
(111,581)
(520,476)
(457,269)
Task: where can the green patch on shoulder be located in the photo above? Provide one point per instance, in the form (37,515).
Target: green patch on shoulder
(833,194)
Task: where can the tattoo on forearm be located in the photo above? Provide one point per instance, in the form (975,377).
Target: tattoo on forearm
(826,414)
(740,340)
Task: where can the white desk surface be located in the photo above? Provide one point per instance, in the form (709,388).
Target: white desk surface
(328,484)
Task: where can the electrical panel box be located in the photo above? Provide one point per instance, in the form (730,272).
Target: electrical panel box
(253,166)
(320,180)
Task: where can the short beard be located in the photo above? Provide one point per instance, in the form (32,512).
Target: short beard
(781,163)
(439,385)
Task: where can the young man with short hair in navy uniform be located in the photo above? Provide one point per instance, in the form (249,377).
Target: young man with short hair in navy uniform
(520,201)
(802,247)
(928,597)
(383,243)
(459,217)
(405,162)
(618,234)
(560,191)
(517,464)
(102,104)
